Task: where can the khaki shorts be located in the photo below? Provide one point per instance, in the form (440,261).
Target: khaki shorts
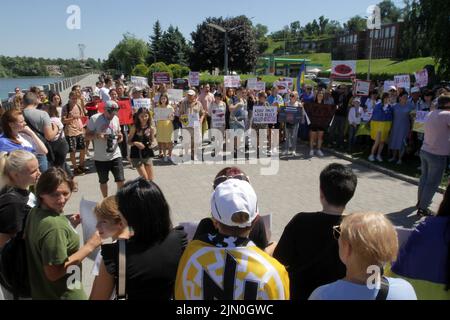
(139,162)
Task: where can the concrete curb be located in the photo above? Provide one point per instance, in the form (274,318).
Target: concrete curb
(373,166)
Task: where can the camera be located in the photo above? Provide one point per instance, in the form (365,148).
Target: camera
(110,141)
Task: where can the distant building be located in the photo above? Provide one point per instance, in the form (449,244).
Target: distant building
(353,46)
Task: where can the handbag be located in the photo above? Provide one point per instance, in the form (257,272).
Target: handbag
(121,293)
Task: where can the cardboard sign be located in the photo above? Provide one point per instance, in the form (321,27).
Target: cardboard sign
(194,79)
(88,222)
(161,78)
(403,81)
(343,69)
(421,119)
(388,84)
(320,115)
(290,115)
(254,84)
(142,103)
(218,119)
(264,115)
(139,82)
(162,114)
(190,121)
(422,78)
(362,88)
(232,81)
(175,95)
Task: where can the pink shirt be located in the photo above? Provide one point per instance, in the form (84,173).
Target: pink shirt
(437,133)
(206,100)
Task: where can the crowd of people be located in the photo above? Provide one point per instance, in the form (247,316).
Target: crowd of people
(323,255)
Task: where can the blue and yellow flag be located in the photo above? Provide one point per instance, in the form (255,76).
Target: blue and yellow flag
(301,79)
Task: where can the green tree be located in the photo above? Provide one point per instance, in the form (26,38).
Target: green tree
(127,54)
(173,47)
(179,71)
(155,43)
(141,70)
(389,12)
(260,31)
(355,24)
(323,23)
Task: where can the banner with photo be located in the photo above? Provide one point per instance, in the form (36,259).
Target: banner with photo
(421,78)
(194,79)
(362,88)
(290,115)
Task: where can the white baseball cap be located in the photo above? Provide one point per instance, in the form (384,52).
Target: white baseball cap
(111,106)
(191,93)
(393,88)
(234,196)
(415,90)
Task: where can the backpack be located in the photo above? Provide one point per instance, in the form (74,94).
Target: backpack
(48,145)
(14,268)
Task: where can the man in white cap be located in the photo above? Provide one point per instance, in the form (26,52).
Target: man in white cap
(104,129)
(191,115)
(416,99)
(227,265)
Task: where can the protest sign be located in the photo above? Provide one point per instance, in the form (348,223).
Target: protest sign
(422,78)
(320,115)
(403,81)
(421,119)
(343,69)
(125,114)
(264,115)
(190,121)
(139,82)
(88,223)
(254,84)
(194,79)
(175,95)
(218,119)
(290,115)
(362,88)
(142,103)
(232,81)
(161,78)
(388,84)
(283,86)
(161,114)
(182,84)
(290,82)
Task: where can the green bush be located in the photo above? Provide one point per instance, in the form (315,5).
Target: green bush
(141,70)
(179,71)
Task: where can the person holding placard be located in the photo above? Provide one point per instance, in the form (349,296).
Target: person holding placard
(206,98)
(292,128)
(400,128)
(381,125)
(164,128)
(192,116)
(141,138)
(218,110)
(262,101)
(238,116)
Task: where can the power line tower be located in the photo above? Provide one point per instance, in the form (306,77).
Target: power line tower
(82,47)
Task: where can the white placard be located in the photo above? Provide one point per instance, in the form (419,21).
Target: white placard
(162,114)
(343,69)
(264,115)
(139,82)
(142,103)
(194,79)
(403,81)
(388,84)
(232,81)
(362,88)
(254,84)
(422,78)
(190,121)
(88,222)
(290,82)
(218,119)
(283,86)
(175,95)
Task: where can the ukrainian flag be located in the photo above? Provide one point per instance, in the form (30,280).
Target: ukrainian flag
(301,79)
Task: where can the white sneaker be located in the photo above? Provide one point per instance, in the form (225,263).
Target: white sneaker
(379,159)
(294,154)
(311,153)
(372,158)
(285,153)
(320,153)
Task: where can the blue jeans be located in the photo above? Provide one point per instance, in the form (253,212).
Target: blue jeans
(433,168)
(352,135)
(291,136)
(43,162)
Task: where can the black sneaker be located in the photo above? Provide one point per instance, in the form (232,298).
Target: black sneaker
(424,213)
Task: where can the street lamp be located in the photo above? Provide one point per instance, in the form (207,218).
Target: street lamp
(225,31)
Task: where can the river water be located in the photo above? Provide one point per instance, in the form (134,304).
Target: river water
(9,84)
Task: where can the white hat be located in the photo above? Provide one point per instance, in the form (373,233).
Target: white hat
(112,105)
(233,196)
(392,88)
(415,90)
(357,99)
(191,93)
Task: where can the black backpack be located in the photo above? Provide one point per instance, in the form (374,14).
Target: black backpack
(14,267)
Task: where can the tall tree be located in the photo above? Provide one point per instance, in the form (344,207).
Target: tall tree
(127,54)
(173,48)
(260,31)
(389,12)
(323,23)
(356,24)
(155,42)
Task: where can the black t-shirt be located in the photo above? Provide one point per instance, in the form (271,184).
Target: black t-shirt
(151,271)
(257,234)
(310,253)
(14,209)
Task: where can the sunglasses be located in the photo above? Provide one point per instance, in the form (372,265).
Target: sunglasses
(222,179)
(336,232)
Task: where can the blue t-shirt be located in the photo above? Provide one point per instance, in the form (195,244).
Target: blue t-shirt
(382,113)
(278,99)
(7,145)
(399,289)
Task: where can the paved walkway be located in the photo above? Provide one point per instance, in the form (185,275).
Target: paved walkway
(86,82)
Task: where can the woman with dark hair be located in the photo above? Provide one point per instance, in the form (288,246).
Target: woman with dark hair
(141,138)
(53,254)
(258,233)
(424,260)
(316,133)
(153,251)
(164,128)
(17,135)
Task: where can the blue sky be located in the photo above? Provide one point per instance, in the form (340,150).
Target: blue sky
(38,27)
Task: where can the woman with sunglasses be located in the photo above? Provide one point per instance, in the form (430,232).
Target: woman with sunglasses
(258,234)
(292,128)
(367,242)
